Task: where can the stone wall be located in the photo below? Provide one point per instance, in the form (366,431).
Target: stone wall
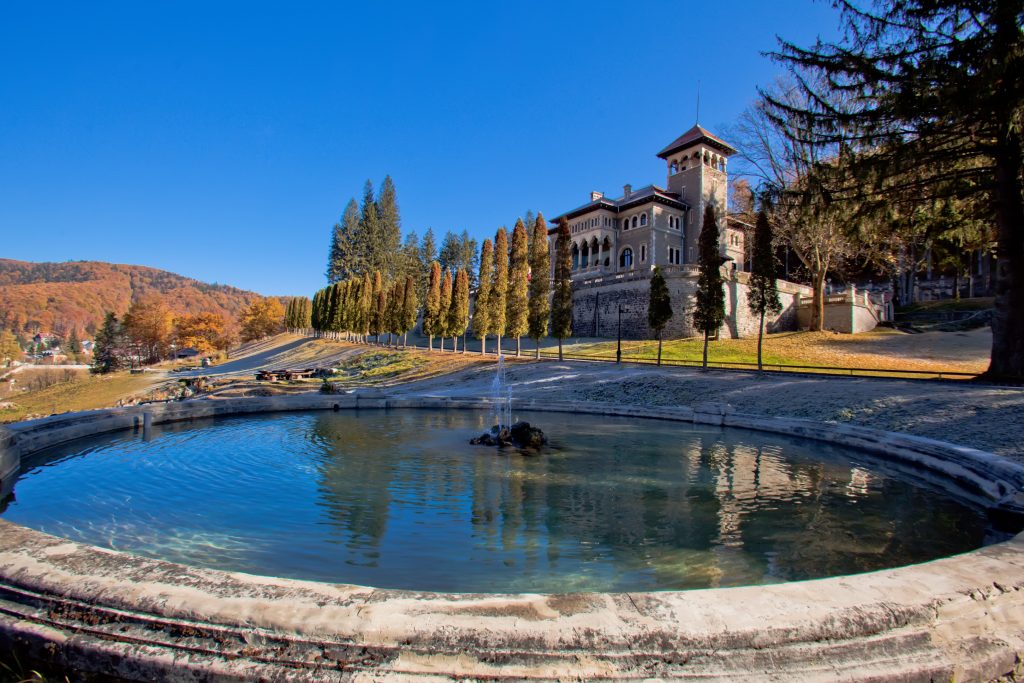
(596,305)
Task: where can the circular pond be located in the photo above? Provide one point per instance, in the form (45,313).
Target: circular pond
(399,499)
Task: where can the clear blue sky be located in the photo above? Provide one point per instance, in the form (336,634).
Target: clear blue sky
(222,140)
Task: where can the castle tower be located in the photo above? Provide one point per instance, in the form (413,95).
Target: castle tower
(697,173)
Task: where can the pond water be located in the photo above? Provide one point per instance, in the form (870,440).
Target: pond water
(399,499)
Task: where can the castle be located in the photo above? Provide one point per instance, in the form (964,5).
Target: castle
(617,242)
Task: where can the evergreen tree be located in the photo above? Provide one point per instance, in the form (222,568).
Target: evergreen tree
(369,244)
(458,310)
(343,256)
(303,314)
(365,306)
(377,312)
(74,343)
(108,353)
(410,308)
(390,229)
(762,294)
(396,300)
(432,309)
(499,286)
(336,311)
(930,104)
(709,311)
(444,305)
(561,303)
(540,283)
(381,312)
(10,349)
(482,311)
(659,306)
(316,316)
(428,254)
(517,318)
(410,258)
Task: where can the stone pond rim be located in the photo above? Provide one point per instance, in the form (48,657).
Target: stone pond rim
(91,609)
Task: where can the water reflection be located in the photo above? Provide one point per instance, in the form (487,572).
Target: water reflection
(399,499)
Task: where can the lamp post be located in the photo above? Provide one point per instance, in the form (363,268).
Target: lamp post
(618,345)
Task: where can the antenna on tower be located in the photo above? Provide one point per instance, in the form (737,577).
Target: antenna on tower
(698,101)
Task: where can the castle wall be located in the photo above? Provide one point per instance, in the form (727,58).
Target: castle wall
(596,304)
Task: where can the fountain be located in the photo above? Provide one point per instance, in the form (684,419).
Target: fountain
(504,432)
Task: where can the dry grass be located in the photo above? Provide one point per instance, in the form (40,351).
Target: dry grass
(84,393)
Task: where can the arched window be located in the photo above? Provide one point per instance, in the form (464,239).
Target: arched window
(626,258)
(585,255)
(675,168)
(625,224)
(575,257)
(634,221)
(643,219)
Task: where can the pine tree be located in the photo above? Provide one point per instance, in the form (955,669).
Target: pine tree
(444,305)
(427,255)
(499,286)
(458,310)
(482,310)
(517,319)
(762,293)
(432,310)
(390,228)
(369,244)
(561,303)
(382,312)
(410,308)
(336,310)
(343,257)
(74,343)
(709,310)
(108,353)
(659,306)
(540,283)
(316,315)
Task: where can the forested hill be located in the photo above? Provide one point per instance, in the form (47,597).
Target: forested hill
(78,293)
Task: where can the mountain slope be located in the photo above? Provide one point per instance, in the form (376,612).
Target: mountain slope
(59,296)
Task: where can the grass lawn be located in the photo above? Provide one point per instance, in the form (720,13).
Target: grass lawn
(89,392)
(975,304)
(882,349)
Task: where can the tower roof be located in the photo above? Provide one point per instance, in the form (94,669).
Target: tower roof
(694,136)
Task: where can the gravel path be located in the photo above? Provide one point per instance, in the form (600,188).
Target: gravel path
(985,417)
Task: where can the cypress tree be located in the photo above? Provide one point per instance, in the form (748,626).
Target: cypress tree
(377,312)
(762,294)
(381,312)
(499,286)
(365,306)
(74,343)
(315,317)
(517,319)
(390,228)
(304,315)
(427,255)
(444,305)
(540,283)
(410,307)
(350,307)
(458,310)
(368,245)
(482,311)
(433,305)
(659,306)
(709,311)
(337,310)
(561,303)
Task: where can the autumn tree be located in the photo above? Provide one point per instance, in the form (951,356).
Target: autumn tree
(482,310)
(263,317)
(499,287)
(561,303)
(659,306)
(10,349)
(148,325)
(540,284)
(762,292)
(432,308)
(204,332)
(709,309)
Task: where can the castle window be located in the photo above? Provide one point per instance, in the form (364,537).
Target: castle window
(643,253)
(634,221)
(675,168)
(643,219)
(626,258)
(575,257)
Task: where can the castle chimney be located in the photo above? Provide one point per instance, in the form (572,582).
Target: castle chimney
(595,195)
(626,191)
